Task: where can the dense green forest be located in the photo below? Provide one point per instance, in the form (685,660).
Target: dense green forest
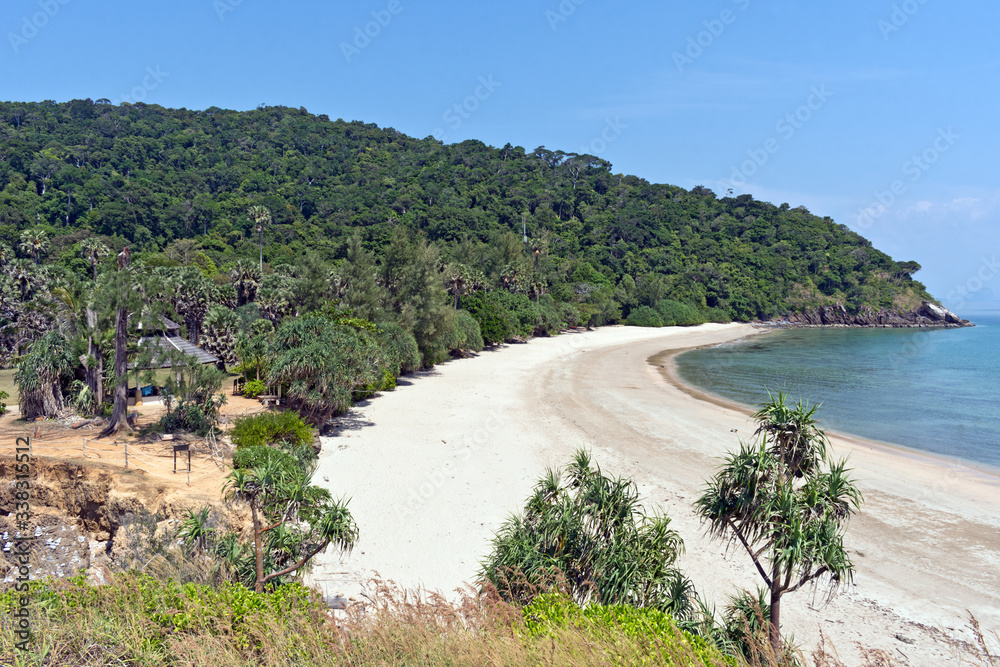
(356,215)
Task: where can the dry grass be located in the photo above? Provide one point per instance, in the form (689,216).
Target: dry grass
(142,621)
(130,621)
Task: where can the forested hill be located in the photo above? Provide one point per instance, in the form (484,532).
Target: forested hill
(149,176)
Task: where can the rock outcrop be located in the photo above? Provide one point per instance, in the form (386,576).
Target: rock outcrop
(927,315)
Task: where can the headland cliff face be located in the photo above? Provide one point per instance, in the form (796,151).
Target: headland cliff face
(927,315)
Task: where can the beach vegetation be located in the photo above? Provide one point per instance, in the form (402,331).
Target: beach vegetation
(588,533)
(787,502)
(272,429)
(679,314)
(644,316)
(292,519)
(42,375)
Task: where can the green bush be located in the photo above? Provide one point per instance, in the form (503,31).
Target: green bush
(717,315)
(274,429)
(503,317)
(254,388)
(547,614)
(644,316)
(251,457)
(187,417)
(675,313)
(466,334)
(550,319)
(3,406)
(569,314)
(387,383)
(399,347)
(171,609)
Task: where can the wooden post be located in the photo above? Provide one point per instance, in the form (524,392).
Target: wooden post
(84,447)
(126,454)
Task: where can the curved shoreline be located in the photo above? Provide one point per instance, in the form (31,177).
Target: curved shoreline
(666,363)
(436,466)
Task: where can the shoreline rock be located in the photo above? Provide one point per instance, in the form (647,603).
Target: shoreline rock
(926,316)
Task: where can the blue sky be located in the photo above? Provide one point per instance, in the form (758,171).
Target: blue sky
(881,114)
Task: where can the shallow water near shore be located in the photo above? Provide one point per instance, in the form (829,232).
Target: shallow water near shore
(936,390)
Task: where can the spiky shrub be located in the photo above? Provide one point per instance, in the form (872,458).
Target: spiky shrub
(466,336)
(786,502)
(40,376)
(590,531)
(3,397)
(322,363)
(285,430)
(292,519)
(399,347)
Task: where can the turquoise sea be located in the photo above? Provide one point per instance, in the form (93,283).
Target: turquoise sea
(936,390)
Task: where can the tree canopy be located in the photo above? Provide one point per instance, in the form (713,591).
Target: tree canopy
(268,184)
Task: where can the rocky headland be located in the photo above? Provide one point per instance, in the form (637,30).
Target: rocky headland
(926,315)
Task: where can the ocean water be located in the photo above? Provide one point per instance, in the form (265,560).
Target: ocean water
(936,390)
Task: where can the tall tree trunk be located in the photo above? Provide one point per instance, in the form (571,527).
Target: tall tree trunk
(119,417)
(774,627)
(93,365)
(51,398)
(258,549)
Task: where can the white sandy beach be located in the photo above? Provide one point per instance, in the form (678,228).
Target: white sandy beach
(434,467)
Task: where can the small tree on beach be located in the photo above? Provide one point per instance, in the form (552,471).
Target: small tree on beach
(292,519)
(590,531)
(786,502)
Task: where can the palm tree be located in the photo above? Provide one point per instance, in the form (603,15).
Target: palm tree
(123,293)
(23,273)
(246,280)
(261,217)
(93,250)
(220,331)
(6,254)
(786,503)
(34,242)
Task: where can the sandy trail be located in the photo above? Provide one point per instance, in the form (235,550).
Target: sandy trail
(433,468)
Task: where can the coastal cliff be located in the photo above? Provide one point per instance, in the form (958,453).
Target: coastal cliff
(927,315)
